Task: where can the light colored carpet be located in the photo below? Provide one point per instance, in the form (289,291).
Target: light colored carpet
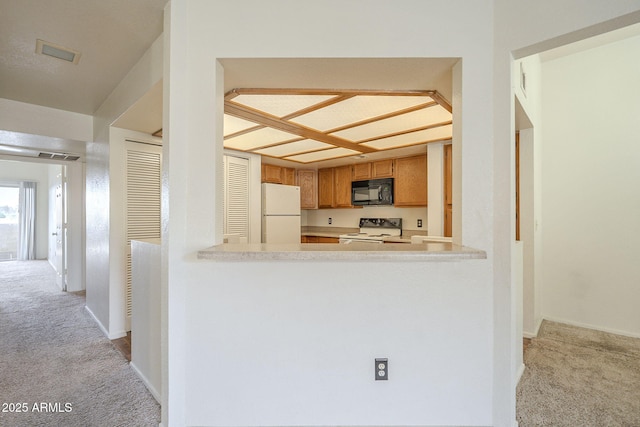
(52,352)
(579,377)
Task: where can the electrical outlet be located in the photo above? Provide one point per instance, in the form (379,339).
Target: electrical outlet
(382,369)
(419,223)
(330,220)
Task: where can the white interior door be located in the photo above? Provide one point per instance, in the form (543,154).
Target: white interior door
(59,234)
(236,197)
(143,187)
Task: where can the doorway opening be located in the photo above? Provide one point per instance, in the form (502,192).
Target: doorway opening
(9,221)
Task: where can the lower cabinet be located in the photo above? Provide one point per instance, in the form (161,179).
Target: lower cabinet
(319,239)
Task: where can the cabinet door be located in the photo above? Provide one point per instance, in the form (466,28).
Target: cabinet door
(382,169)
(411,181)
(361,171)
(271,173)
(342,192)
(308,189)
(325,188)
(288,176)
(328,239)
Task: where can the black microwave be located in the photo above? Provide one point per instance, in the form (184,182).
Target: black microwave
(372,192)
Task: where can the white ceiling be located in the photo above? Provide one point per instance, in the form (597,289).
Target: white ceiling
(111,36)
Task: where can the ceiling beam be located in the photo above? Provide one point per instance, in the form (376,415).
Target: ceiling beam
(262,118)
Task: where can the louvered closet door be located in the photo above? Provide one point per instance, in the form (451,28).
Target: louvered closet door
(143,165)
(236,196)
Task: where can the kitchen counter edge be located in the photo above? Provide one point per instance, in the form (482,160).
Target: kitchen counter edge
(340,252)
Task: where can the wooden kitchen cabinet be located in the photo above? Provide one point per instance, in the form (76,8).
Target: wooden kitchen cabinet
(319,239)
(307,180)
(382,169)
(342,191)
(278,174)
(334,187)
(373,170)
(328,239)
(288,176)
(325,188)
(411,181)
(361,171)
(271,173)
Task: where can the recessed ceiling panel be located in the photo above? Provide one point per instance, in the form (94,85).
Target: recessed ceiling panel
(234,124)
(317,156)
(258,138)
(412,120)
(292,148)
(356,109)
(280,105)
(420,137)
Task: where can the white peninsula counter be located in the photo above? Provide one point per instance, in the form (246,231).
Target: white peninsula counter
(341,252)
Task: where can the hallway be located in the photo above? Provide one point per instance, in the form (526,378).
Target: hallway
(56,366)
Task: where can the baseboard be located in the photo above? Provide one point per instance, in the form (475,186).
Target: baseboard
(593,327)
(112,336)
(146,382)
(527,334)
(520,372)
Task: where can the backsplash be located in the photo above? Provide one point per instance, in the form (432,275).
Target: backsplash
(350,217)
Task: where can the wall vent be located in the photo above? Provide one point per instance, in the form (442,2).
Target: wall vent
(58,156)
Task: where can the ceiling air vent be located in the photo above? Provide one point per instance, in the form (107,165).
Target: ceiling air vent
(57,51)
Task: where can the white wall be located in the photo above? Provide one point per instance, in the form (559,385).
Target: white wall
(34,119)
(528,122)
(104,297)
(38,172)
(591,205)
(350,217)
(523,28)
(76,226)
(199,32)
(219,302)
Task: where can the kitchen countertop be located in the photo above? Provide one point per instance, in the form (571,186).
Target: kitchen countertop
(340,252)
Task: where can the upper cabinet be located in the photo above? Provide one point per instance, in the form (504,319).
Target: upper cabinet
(331,187)
(361,171)
(278,174)
(308,182)
(325,188)
(373,170)
(382,169)
(334,187)
(411,181)
(342,190)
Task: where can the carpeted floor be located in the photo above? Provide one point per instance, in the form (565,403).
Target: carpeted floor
(56,367)
(579,377)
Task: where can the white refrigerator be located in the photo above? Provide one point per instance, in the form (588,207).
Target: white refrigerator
(280,213)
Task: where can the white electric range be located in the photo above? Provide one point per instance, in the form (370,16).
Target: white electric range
(374,230)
